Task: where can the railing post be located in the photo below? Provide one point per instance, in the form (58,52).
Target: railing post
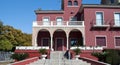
(51,23)
(83,23)
(67,23)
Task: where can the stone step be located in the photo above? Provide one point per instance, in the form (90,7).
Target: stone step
(57,55)
(56,58)
(59,62)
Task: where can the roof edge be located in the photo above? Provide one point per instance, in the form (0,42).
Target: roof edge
(49,11)
(98,6)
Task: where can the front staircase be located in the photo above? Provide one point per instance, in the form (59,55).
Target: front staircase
(57,58)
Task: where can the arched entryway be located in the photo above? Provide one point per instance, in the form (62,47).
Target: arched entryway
(43,38)
(75,38)
(59,39)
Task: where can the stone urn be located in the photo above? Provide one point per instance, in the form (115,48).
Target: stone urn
(77,57)
(43,56)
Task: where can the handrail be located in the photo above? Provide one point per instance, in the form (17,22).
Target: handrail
(27,60)
(101,63)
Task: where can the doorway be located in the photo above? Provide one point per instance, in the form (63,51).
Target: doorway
(59,44)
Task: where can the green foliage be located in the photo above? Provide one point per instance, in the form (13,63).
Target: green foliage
(100,55)
(114,56)
(111,56)
(14,36)
(42,51)
(5,45)
(20,56)
(77,51)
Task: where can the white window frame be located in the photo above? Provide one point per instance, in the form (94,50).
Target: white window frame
(115,42)
(115,19)
(46,22)
(59,22)
(101,36)
(102,18)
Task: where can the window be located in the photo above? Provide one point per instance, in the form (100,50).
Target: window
(117,19)
(73,42)
(73,19)
(99,18)
(100,41)
(59,20)
(46,21)
(75,3)
(117,41)
(112,1)
(45,42)
(69,3)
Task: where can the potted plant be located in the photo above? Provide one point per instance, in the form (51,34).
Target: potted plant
(43,52)
(77,53)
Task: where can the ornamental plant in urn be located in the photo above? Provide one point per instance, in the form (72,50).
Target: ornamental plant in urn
(43,52)
(77,53)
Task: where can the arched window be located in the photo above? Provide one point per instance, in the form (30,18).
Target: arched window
(75,3)
(69,3)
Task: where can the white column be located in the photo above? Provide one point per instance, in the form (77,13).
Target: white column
(52,42)
(35,42)
(67,41)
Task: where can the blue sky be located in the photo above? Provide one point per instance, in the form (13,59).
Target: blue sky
(20,13)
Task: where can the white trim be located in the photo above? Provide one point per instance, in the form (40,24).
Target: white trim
(43,22)
(73,5)
(115,42)
(101,36)
(46,17)
(59,17)
(103,16)
(45,38)
(114,16)
(56,43)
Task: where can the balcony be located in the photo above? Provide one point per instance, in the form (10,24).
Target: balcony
(115,23)
(99,24)
(59,23)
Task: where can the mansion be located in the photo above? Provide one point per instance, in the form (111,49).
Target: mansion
(78,24)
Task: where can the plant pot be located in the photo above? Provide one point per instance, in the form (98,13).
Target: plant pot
(43,56)
(77,57)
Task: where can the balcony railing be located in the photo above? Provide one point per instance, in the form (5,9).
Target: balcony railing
(99,23)
(115,23)
(58,23)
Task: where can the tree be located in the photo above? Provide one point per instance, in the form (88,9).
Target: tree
(5,45)
(13,36)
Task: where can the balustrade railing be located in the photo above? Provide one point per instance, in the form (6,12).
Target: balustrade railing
(88,48)
(58,23)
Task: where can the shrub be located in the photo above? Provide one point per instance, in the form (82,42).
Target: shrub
(20,56)
(77,51)
(100,55)
(114,57)
(111,56)
(42,51)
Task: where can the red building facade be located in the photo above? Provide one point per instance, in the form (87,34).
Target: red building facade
(77,24)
